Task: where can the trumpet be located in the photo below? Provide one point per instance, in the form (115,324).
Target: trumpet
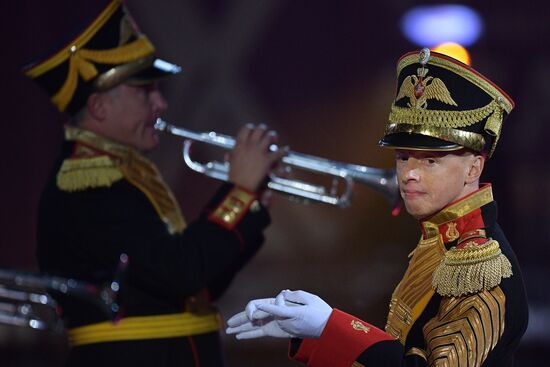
(382,180)
(25,300)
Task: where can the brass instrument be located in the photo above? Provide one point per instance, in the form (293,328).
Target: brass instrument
(382,180)
(25,299)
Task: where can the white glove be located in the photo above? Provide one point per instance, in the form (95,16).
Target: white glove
(302,314)
(253,323)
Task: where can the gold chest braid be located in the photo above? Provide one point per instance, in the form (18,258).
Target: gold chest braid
(412,294)
(465,329)
(144,175)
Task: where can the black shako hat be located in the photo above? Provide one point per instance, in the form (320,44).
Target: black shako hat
(109,51)
(443,104)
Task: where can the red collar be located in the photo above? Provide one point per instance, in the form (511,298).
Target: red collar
(459,219)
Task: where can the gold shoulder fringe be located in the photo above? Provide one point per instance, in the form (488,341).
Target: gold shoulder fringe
(471,270)
(79,174)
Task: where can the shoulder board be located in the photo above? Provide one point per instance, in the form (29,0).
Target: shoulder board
(77,174)
(478,235)
(474,265)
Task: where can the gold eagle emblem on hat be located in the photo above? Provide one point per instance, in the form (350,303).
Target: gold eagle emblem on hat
(420,89)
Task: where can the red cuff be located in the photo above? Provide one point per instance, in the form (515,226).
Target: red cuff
(344,338)
(233,207)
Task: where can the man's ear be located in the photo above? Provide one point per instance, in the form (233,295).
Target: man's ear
(96,106)
(476,168)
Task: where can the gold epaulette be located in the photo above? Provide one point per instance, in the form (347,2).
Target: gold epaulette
(471,268)
(77,174)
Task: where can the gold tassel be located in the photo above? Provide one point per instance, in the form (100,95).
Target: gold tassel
(471,270)
(84,173)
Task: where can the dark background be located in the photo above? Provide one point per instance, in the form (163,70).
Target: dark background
(322,74)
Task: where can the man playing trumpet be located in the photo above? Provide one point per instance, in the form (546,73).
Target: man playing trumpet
(461,301)
(105,198)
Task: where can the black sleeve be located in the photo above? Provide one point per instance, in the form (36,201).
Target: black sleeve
(385,353)
(82,234)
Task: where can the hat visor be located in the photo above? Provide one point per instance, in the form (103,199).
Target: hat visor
(410,141)
(157,70)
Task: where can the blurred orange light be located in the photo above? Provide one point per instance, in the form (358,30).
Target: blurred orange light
(454,50)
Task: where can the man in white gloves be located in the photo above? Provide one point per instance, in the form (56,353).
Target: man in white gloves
(289,315)
(461,301)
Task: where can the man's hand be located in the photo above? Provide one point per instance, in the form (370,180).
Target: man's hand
(292,314)
(307,316)
(253,323)
(251,161)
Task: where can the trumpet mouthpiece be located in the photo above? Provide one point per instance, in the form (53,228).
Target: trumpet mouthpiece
(160,124)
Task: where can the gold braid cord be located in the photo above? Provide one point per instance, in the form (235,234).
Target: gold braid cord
(465,329)
(143,174)
(443,118)
(81,63)
(82,60)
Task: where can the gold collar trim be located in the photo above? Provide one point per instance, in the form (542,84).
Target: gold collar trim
(97,141)
(458,209)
